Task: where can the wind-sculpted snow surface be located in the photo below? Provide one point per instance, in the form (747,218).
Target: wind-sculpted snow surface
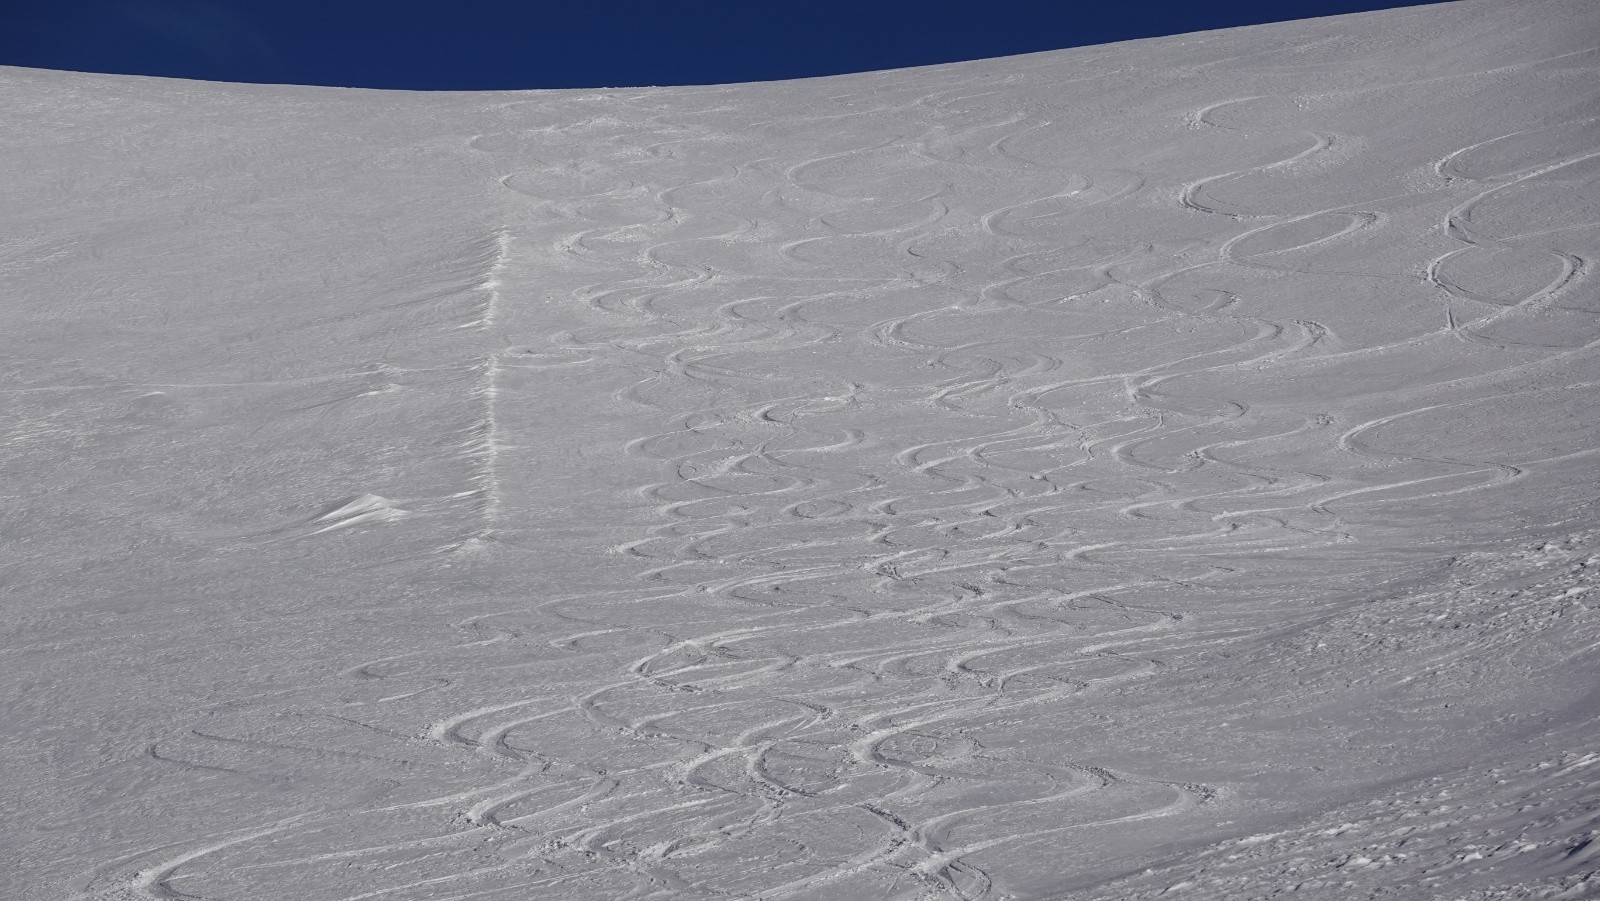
(1156,469)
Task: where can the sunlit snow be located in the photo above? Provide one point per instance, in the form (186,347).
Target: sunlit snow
(1165,468)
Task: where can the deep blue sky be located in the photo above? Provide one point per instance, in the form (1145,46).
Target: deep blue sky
(480,44)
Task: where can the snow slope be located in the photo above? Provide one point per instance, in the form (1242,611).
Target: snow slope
(1166,468)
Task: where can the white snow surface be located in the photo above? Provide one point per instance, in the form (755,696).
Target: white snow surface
(1157,469)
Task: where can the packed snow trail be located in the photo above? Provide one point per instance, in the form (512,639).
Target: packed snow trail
(1160,467)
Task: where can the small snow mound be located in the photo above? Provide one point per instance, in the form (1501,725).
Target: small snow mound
(362,508)
(474,547)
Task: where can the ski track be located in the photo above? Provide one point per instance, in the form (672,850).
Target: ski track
(940,455)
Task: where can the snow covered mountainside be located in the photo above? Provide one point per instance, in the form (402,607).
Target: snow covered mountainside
(1166,468)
